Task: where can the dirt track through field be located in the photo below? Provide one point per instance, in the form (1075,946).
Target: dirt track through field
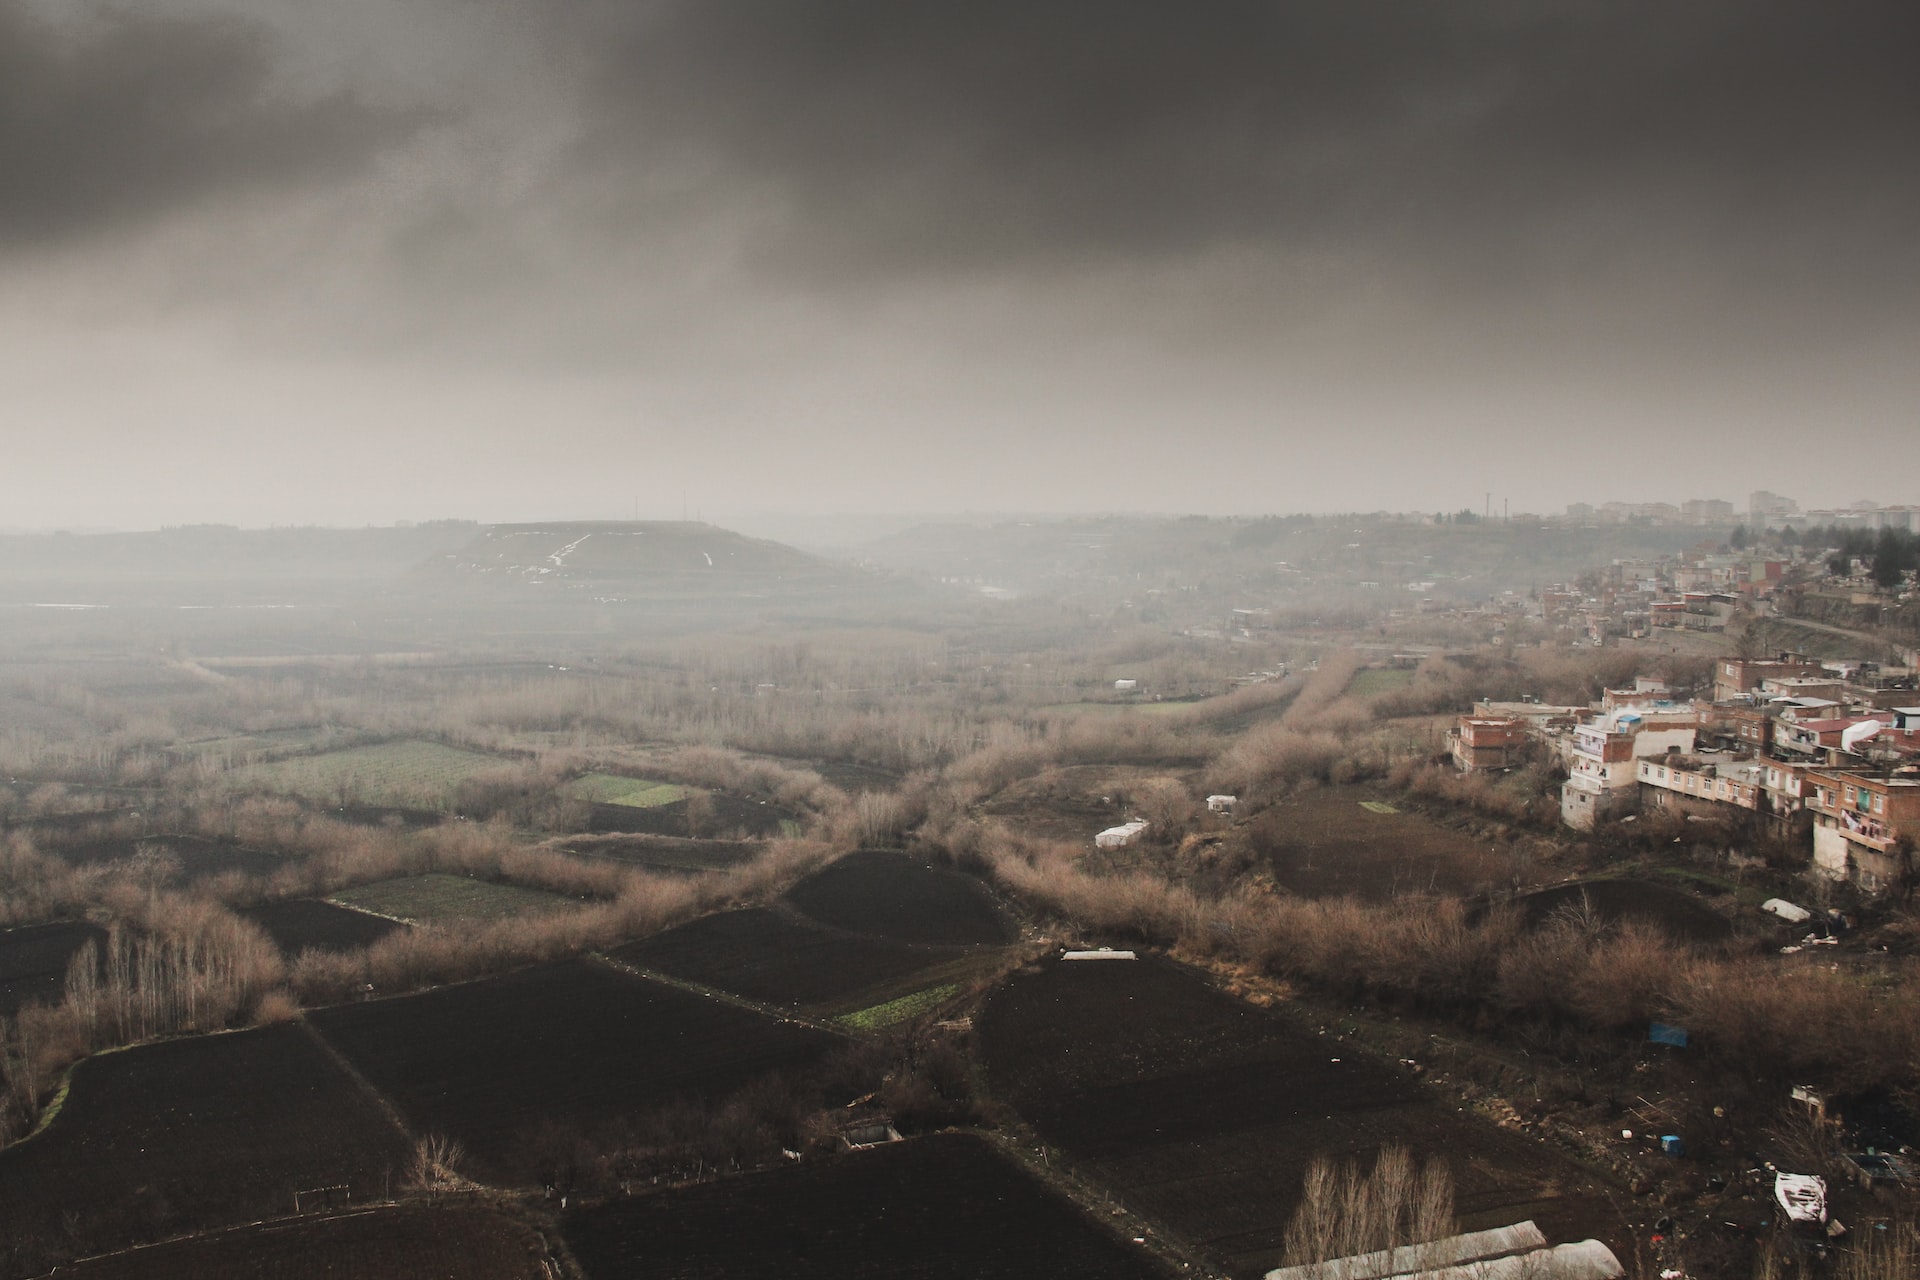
(777,1012)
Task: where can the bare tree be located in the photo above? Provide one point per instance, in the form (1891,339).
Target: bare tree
(1344,1212)
(436,1163)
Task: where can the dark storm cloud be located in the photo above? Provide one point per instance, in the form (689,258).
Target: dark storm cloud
(126,116)
(1482,145)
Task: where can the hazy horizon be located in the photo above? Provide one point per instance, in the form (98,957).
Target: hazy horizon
(350,264)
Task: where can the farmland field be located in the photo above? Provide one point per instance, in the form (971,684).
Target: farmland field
(636,793)
(33,961)
(190,1134)
(1328,843)
(725,817)
(572,1045)
(665,853)
(1068,803)
(888,895)
(765,955)
(438,898)
(407,772)
(928,1209)
(1202,1112)
(185,858)
(367,1244)
(1681,914)
(302,924)
(1369,681)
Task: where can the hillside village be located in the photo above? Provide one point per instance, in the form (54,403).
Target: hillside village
(1823,751)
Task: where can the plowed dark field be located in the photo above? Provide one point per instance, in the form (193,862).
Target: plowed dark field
(572,1046)
(946,1207)
(666,853)
(33,961)
(1325,844)
(1681,914)
(196,858)
(767,956)
(190,1134)
(1202,1112)
(458,1241)
(888,895)
(304,924)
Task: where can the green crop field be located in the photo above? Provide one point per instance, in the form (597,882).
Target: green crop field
(1119,708)
(406,773)
(636,793)
(439,898)
(1374,680)
(894,1011)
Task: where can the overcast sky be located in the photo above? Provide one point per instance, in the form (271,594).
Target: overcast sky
(266,261)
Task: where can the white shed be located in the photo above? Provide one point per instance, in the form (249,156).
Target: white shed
(1121,836)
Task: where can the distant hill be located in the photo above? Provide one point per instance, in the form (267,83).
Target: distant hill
(223,553)
(608,552)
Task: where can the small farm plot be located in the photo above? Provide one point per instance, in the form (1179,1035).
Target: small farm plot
(699,815)
(674,855)
(192,1134)
(934,1208)
(363,1244)
(1680,914)
(1371,681)
(1068,803)
(34,959)
(1202,1112)
(771,957)
(633,793)
(889,895)
(303,924)
(1339,841)
(570,1047)
(439,898)
(408,772)
(177,858)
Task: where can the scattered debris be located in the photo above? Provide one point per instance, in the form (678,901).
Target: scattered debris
(1872,1166)
(1802,1196)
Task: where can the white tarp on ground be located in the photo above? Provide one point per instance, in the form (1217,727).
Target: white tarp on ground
(1408,1259)
(1802,1195)
(1786,910)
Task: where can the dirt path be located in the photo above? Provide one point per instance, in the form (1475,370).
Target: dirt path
(776,1012)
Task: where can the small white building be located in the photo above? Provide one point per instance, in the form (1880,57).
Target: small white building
(1221,804)
(1121,836)
(1125,686)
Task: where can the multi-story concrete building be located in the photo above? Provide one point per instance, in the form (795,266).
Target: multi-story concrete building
(1769,510)
(1602,778)
(1735,676)
(1866,823)
(1701,786)
(1488,744)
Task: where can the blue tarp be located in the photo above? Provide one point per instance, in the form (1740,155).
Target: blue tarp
(1661,1033)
